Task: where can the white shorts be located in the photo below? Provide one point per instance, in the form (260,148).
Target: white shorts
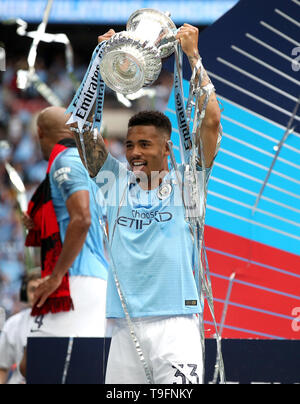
(171,347)
(86,320)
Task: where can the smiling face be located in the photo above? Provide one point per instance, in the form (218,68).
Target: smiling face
(147,150)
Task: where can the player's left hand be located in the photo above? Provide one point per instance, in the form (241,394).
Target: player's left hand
(106,36)
(49,285)
(188,36)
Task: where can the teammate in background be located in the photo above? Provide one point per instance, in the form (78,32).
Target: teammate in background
(63,218)
(151,244)
(13,338)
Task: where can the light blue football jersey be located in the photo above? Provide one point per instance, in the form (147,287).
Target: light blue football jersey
(151,246)
(67,176)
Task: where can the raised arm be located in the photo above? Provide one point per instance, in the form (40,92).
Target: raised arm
(92,151)
(188,37)
(91,147)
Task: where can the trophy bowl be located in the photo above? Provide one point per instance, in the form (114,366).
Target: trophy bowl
(132,58)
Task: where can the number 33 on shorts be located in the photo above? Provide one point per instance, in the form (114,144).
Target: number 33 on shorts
(186,374)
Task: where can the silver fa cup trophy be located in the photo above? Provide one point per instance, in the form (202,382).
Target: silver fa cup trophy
(132,58)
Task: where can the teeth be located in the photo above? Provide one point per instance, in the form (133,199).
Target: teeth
(138,164)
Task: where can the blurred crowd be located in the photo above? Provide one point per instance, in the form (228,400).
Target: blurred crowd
(19,147)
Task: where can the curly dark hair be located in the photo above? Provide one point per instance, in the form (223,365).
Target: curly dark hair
(152,118)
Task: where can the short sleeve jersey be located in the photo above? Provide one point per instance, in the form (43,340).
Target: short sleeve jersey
(151,246)
(67,176)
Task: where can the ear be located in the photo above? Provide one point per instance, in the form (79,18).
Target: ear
(39,132)
(167,152)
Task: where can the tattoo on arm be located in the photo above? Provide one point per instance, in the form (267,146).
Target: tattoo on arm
(95,152)
(193,62)
(194,59)
(207,134)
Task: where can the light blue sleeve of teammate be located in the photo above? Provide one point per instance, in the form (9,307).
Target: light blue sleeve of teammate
(70,176)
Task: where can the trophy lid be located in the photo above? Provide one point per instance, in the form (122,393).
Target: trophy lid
(155,15)
(155,26)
